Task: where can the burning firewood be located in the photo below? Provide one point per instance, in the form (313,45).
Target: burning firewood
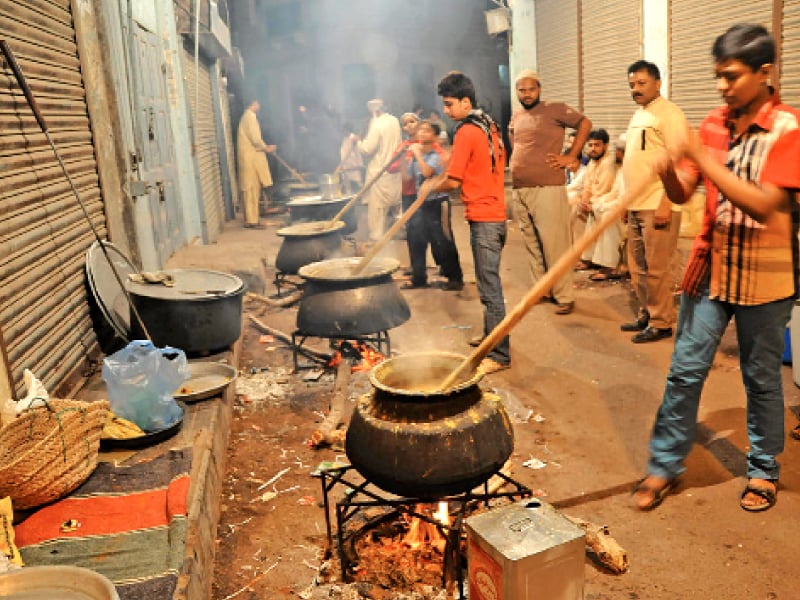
(605,547)
(328,432)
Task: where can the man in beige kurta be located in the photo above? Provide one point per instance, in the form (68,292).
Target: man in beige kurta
(601,192)
(383,138)
(252,161)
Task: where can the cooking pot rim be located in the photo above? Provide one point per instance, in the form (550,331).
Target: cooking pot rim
(296,230)
(401,393)
(318,200)
(177,294)
(379,267)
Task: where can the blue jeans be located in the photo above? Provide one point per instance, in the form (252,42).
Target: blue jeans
(701,323)
(487,241)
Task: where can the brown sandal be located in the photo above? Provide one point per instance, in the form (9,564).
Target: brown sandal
(770,496)
(657,494)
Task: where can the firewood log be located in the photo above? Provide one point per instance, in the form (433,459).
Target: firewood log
(605,548)
(328,432)
(285,301)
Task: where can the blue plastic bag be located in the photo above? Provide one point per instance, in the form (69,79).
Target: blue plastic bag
(141,379)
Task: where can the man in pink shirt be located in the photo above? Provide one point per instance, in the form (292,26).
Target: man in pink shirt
(538,173)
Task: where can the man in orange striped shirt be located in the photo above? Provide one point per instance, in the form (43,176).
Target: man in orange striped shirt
(743,265)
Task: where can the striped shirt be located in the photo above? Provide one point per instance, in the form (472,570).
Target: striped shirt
(746,262)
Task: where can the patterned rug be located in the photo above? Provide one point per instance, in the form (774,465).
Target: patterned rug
(127,523)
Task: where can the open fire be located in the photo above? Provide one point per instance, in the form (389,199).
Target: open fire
(407,553)
(363,356)
(421,532)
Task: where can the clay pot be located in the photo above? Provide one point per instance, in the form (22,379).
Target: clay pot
(411,440)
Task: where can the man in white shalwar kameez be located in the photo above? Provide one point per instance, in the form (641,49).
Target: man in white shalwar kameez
(251,152)
(383,138)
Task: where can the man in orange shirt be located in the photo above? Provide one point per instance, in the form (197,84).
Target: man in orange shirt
(477,164)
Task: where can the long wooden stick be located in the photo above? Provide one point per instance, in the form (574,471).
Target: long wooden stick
(340,166)
(407,214)
(566,262)
(294,173)
(366,187)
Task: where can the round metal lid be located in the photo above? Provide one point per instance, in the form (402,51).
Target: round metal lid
(190,284)
(111,298)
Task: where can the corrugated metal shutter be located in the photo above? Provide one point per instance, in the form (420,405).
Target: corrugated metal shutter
(227,126)
(557,50)
(790,53)
(44,310)
(205,140)
(694,26)
(611,41)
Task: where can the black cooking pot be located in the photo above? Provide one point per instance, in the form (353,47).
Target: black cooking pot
(317,208)
(201,312)
(337,303)
(305,243)
(411,440)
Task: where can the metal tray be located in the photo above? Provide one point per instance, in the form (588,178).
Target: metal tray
(51,582)
(208,379)
(148,439)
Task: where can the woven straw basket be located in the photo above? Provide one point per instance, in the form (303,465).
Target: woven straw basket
(48,451)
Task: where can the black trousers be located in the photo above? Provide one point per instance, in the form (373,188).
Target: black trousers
(431,225)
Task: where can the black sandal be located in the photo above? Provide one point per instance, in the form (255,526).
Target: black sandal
(770,496)
(658,493)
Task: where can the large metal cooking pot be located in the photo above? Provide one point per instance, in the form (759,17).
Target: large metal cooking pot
(305,243)
(316,208)
(201,312)
(308,187)
(337,303)
(412,441)
(330,185)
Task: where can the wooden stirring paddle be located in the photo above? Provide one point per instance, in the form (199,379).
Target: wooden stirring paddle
(566,262)
(294,173)
(338,216)
(407,214)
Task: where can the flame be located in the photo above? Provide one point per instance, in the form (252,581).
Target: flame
(421,533)
(366,356)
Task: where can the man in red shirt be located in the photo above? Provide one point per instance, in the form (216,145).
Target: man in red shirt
(477,164)
(743,265)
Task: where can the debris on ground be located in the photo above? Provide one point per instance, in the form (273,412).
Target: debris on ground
(263,385)
(534,463)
